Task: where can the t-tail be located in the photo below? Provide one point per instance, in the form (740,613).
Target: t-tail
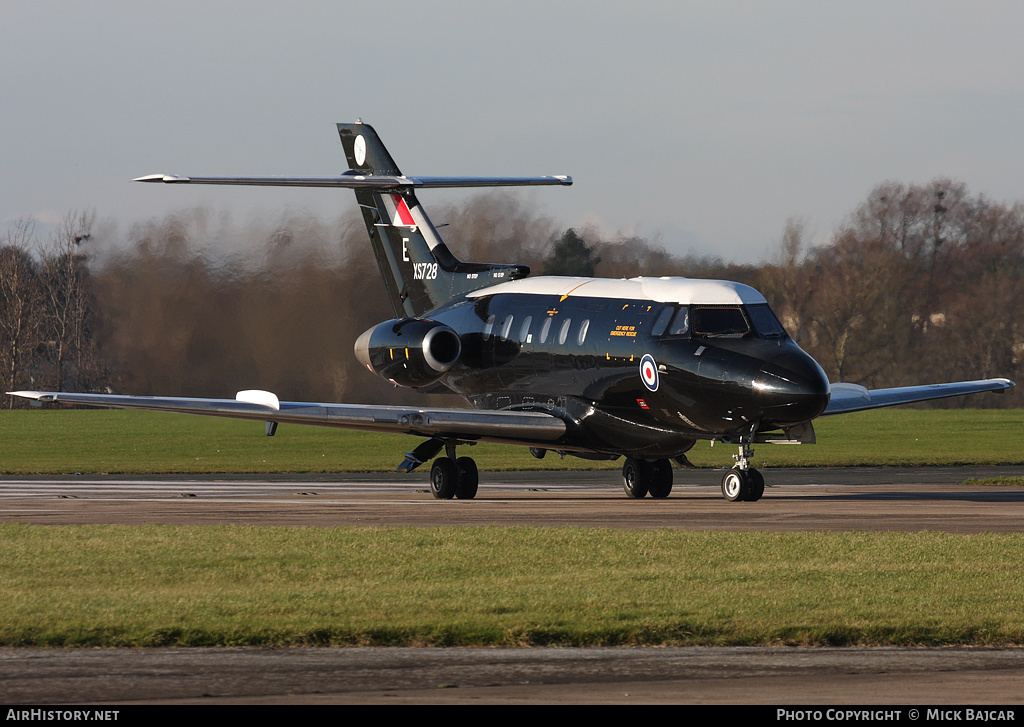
(419,270)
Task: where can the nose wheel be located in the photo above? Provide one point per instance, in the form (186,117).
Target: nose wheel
(743,483)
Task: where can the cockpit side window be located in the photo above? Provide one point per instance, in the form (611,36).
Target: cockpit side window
(765,322)
(681,323)
(679,318)
(720,321)
(661,322)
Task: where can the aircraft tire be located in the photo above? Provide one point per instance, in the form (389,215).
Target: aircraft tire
(469,478)
(735,485)
(661,482)
(444,478)
(756,480)
(637,475)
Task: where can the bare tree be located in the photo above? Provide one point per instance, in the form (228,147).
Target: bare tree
(21,311)
(784,281)
(64,275)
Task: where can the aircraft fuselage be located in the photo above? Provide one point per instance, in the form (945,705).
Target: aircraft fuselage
(639,373)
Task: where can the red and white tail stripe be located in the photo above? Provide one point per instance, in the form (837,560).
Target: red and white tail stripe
(398,211)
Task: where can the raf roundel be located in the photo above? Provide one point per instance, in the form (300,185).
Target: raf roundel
(360,150)
(649,372)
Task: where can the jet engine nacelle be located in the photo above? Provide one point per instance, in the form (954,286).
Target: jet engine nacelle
(409,351)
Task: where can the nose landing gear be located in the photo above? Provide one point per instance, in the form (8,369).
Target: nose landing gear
(743,483)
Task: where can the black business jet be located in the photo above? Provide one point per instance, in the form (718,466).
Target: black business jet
(591,367)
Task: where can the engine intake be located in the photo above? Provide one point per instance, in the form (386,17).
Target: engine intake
(409,351)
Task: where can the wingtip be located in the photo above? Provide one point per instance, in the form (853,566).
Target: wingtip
(37,395)
(167,178)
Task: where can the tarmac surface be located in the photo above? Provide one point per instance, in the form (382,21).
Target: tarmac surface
(875,499)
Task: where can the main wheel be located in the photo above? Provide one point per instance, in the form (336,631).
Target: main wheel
(661,482)
(444,478)
(735,485)
(637,475)
(469,478)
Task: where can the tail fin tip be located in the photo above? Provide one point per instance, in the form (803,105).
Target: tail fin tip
(364,151)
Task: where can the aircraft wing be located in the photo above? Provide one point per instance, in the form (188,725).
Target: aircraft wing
(507,427)
(852,397)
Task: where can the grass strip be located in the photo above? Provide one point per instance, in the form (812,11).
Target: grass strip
(273,586)
(995,481)
(66,441)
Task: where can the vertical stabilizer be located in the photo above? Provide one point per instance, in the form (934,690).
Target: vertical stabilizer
(419,270)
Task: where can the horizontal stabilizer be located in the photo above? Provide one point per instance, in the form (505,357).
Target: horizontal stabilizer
(363,181)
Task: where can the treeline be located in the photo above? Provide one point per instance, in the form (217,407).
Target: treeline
(47,312)
(921,284)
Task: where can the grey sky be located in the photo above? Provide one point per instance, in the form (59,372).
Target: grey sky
(702,125)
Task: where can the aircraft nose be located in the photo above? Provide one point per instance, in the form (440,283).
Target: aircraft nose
(793,387)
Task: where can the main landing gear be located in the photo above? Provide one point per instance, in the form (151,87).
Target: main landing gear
(641,477)
(743,483)
(452,476)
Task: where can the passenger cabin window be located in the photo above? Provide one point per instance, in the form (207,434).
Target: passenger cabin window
(564,332)
(506,328)
(525,330)
(583,332)
(488,327)
(720,322)
(545,329)
(765,322)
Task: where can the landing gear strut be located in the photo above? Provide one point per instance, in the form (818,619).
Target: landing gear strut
(452,476)
(743,483)
(641,477)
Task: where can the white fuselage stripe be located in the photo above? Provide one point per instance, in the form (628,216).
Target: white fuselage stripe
(685,291)
(423,224)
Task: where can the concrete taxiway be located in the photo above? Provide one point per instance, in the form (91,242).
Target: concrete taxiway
(741,675)
(864,498)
